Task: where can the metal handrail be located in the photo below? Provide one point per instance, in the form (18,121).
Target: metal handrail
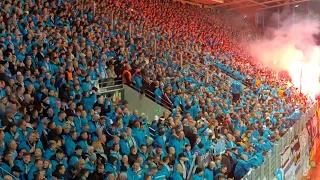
(150,95)
(106,82)
(7,173)
(223,71)
(106,87)
(110,88)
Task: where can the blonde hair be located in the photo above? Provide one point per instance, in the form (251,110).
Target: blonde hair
(96,144)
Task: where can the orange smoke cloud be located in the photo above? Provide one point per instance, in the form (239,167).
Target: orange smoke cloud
(292,48)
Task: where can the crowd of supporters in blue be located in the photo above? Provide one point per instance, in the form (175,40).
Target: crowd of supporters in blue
(55,125)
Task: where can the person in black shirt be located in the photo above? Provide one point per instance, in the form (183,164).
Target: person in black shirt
(100,104)
(133,156)
(98,174)
(146,86)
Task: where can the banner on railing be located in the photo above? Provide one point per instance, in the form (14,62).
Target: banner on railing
(289,170)
(290,159)
(304,153)
(312,126)
(295,149)
(285,156)
(294,158)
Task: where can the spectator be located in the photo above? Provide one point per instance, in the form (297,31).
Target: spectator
(198,174)
(242,167)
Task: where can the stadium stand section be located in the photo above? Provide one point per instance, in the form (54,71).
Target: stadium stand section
(56,56)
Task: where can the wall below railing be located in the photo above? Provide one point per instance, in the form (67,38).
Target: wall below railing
(142,104)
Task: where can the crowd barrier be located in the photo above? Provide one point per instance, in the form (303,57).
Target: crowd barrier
(115,88)
(289,159)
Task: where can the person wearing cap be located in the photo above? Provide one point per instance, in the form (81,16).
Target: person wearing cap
(58,158)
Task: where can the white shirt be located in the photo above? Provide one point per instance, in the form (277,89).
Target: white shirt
(184,174)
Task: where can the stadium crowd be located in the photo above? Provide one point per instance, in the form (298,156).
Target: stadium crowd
(55,125)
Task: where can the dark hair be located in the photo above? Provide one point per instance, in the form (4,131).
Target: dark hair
(112,159)
(198,170)
(123,168)
(166,158)
(81,173)
(27,154)
(59,166)
(36,174)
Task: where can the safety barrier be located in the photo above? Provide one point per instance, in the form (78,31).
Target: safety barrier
(275,159)
(116,89)
(290,154)
(113,87)
(4,173)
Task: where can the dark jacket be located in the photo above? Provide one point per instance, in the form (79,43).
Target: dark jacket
(96,176)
